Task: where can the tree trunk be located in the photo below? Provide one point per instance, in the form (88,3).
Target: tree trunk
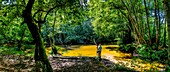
(129,32)
(167,14)
(156,23)
(164,43)
(53,40)
(147,23)
(40,55)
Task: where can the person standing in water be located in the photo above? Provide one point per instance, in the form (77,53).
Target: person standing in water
(99,49)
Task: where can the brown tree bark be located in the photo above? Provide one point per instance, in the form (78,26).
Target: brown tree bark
(156,23)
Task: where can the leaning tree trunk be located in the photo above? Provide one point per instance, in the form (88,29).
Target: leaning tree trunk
(167,13)
(40,55)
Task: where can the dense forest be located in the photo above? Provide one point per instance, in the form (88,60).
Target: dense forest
(34,33)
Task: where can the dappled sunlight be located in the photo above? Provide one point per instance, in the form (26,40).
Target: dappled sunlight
(110,52)
(139,64)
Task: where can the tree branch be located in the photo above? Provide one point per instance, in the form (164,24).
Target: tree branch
(49,12)
(35,15)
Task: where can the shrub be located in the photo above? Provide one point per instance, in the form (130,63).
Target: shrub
(128,48)
(153,55)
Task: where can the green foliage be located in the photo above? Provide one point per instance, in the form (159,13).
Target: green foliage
(25,46)
(148,53)
(10,25)
(167,69)
(68,33)
(121,68)
(129,48)
(10,50)
(57,48)
(104,18)
(51,52)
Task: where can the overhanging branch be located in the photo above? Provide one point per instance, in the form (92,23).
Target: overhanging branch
(35,15)
(49,11)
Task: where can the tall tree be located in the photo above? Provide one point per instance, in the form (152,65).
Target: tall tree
(42,9)
(167,13)
(40,55)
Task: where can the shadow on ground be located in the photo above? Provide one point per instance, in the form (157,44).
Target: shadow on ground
(112,48)
(124,57)
(15,63)
(87,64)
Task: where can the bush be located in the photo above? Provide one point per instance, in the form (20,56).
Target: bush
(167,69)
(127,48)
(10,50)
(153,55)
(57,48)
(145,52)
